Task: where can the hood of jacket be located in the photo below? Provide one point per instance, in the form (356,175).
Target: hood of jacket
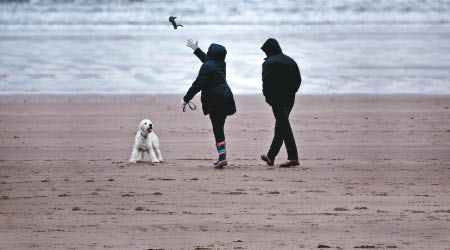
(216,52)
(271,47)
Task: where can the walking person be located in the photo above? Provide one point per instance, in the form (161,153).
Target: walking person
(217,98)
(281,80)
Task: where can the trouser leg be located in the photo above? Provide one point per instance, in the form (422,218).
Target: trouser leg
(277,140)
(289,140)
(283,132)
(218,123)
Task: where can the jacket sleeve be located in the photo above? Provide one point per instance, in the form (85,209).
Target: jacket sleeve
(198,84)
(268,83)
(201,55)
(298,77)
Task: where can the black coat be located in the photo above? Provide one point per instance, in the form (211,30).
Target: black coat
(280,75)
(217,97)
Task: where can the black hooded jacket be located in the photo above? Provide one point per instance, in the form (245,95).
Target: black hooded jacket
(217,97)
(280,75)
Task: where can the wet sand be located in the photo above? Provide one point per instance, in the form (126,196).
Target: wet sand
(375,173)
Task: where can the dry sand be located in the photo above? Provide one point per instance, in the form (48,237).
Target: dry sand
(375,173)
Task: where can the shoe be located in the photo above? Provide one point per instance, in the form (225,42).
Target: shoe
(266,158)
(220,164)
(221,149)
(289,163)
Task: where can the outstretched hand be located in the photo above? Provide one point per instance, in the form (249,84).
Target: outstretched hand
(190,43)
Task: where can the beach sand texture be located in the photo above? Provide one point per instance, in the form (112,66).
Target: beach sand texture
(375,173)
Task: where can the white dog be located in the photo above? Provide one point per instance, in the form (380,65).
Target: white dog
(146,141)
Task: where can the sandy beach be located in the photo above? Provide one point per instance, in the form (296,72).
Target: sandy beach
(374,173)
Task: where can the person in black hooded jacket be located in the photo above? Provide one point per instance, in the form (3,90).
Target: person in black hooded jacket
(281,80)
(217,98)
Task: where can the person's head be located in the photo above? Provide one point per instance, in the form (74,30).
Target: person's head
(217,52)
(271,47)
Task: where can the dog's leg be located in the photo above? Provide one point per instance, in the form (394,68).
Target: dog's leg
(160,158)
(155,145)
(142,156)
(152,154)
(158,152)
(134,156)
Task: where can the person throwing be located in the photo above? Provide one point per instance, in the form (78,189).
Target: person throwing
(217,98)
(281,80)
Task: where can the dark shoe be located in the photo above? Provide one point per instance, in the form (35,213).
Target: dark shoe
(289,163)
(266,158)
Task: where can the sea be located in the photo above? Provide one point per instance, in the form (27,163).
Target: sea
(130,47)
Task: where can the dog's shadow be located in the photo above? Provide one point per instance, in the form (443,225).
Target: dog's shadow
(146,163)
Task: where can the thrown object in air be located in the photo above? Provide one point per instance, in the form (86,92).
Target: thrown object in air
(172,20)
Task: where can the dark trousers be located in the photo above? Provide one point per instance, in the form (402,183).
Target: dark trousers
(283,133)
(218,123)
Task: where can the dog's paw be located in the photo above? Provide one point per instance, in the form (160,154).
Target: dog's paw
(160,159)
(155,161)
(132,161)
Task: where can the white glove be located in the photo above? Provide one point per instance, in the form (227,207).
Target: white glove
(190,43)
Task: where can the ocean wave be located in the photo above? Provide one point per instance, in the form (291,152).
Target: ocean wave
(249,12)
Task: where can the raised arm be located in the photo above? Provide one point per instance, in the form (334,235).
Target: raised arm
(197,51)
